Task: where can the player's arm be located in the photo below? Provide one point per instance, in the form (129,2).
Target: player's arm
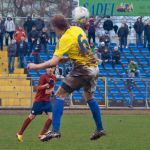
(50,63)
(42,85)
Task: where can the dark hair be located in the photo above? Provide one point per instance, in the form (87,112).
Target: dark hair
(60,22)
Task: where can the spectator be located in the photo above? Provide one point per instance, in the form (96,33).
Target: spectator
(91,27)
(105,38)
(18,34)
(58,72)
(115,57)
(115,29)
(133,70)
(10,29)
(146,28)
(12,49)
(105,57)
(108,25)
(52,35)
(44,40)
(22,48)
(122,33)
(139,27)
(36,52)
(29,23)
(126,34)
(101,48)
(33,36)
(148,34)
(39,23)
(2,32)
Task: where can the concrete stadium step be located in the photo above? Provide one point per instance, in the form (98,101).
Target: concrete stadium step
(15,95)
(14,82)
(16,102)
(15,89)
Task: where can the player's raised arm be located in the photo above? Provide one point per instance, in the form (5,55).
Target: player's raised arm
(50,63)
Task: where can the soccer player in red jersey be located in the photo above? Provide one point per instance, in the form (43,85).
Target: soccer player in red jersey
(42,102)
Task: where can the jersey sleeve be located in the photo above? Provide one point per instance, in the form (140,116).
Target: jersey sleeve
(41,83)
(63,47)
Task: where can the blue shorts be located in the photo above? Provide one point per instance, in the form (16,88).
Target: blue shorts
(39,107)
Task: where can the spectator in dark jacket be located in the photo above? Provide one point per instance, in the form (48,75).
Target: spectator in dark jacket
(146,28)
(108,24)
(105,57)
(22,48)
(126,34)
(28,25)
(33,36)
(105,38)
(12,49)
(122,33)
(2,32)
(44,39)
(139,27)
(115,57)
(91,27)
(39,23)
(52,35)
(148,34)
(36,52)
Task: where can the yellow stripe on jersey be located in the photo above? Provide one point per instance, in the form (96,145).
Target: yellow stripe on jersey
(74,43)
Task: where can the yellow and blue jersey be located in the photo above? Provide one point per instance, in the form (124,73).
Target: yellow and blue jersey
(74,43)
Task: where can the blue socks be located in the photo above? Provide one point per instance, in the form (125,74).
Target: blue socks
(57,114)
(96,113)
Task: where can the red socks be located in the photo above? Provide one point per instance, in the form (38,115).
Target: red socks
(46,126)
(24,126)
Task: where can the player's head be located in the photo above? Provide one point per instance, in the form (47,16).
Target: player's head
(50,70)
(60,24)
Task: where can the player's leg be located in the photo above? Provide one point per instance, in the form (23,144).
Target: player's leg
(58,108)
(24,126)
(94,107)
(47,108)
(46,125)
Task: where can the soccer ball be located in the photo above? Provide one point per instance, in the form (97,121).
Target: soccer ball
(80,14)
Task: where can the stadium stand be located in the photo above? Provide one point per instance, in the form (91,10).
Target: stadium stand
(15,89)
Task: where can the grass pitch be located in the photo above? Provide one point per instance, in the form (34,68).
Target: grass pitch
(124,132)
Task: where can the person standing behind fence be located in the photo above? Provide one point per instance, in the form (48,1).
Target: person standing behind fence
(44,40)
(148,34)
(22,48)
(19,33)
(91,27)
(2,32)
(126,34)
(12,49)
(33,36)
(39,23)
(52,35)
(28,24)
(122,33)
(139,27)
(10,29)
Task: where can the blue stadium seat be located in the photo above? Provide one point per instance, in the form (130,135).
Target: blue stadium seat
(114,91)
(118,97)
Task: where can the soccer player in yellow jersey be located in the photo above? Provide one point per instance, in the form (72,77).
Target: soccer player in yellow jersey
(84,74)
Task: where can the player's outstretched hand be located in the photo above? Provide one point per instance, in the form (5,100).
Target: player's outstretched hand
(32,66)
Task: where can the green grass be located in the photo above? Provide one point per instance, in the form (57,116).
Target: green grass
(124,132)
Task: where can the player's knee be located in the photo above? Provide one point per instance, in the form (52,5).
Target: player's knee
(87,96)
(31,116)
(61,93)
